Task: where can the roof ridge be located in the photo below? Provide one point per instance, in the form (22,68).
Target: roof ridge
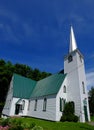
(51,76)
(23,77)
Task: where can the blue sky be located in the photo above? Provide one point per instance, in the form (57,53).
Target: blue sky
(36,32)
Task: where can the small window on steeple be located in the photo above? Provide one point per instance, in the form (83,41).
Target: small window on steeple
(83,87)
(70,58)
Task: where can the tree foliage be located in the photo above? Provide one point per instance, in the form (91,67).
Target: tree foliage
(91,101)
(6,71)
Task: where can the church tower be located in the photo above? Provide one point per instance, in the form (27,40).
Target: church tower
(76,80)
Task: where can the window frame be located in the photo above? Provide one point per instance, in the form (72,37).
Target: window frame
(35,107)
(70,58)
(28,104)
(62,104)
(23,104)
(64,89)
(83,87)
(44,104)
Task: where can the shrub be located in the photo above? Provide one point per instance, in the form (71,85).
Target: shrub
(68,113)
(70,118)
(5,122)
(76,118)
(69,108)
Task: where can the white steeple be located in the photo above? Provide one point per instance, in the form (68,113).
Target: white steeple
(73,44)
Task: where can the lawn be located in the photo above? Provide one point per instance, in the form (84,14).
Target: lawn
(48,125)
(92,118)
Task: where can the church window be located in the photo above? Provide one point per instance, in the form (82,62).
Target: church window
(70,58)
(23,104)
(35,108)
(28,105)
(83,87)
(62,104)
(64,89)
(85,102)
(44,104)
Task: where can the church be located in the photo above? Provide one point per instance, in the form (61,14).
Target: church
(45,99)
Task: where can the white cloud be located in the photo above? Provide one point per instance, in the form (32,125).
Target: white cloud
(90,79)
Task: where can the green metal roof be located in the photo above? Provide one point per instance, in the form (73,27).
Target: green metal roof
(25,88)
(49,85)
(22,86)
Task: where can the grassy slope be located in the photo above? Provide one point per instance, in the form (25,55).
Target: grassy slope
(47,125)
(92,118)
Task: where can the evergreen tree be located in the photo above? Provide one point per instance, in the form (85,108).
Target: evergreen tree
(91,101)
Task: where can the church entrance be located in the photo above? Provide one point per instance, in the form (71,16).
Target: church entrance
(18,109)
(85,112)
(85,109)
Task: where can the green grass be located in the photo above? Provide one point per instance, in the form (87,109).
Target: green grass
(47,125)
(92,118)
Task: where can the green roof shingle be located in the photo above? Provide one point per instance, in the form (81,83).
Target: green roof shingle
(27,88)
(49,85)
(22,86)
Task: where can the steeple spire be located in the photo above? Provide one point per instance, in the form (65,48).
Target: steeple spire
(73,44)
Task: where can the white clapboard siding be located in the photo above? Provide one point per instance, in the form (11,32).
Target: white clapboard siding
(61,94)
(49,114)
(7,106)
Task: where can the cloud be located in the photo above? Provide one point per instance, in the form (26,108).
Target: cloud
(90,79)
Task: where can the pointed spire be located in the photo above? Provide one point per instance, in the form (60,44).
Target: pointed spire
(73,44)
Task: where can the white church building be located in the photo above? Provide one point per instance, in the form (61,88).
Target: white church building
(45,99)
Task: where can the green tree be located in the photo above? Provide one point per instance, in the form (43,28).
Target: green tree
(2,62)
(91,100)
(36,74)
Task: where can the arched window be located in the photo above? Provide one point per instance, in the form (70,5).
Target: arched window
(44,104)
(23,104)
(85,102)
(83,87)
(62,104)
(28,105)
(35,108)
(64,89)
(70,58)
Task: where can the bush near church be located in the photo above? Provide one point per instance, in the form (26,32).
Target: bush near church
(68,113)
